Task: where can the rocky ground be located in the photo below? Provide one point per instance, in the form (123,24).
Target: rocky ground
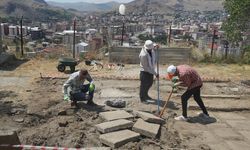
(33,106)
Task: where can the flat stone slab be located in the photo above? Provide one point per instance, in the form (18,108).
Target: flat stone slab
(114,125)
(115,115)
(119,138)
(149,117)
(146,129)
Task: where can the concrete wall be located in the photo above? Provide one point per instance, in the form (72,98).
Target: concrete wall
(130,55)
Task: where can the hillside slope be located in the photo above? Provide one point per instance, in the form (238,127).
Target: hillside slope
(165,6)
(82,6)
(33,10)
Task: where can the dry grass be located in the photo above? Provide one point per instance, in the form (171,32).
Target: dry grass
(232,71)
(224,71)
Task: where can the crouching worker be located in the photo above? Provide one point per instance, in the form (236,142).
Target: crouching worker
(190,78)
(75,90)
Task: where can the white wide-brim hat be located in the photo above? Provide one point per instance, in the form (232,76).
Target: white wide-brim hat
(149,44)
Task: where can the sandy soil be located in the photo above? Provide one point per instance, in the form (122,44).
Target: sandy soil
(34,106)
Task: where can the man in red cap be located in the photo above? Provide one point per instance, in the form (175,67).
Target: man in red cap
(190,78)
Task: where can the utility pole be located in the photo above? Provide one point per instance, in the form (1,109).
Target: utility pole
(1,42)
(226,43)
(122,30)
(21,24)
(74,38)
(213,40)
(122,9)
(169,36)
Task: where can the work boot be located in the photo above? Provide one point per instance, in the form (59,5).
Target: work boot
(90,101)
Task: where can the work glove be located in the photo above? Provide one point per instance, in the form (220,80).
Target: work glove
(175,79)
(66,97)
(175,85)
(91,87)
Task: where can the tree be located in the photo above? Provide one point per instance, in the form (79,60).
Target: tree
(238,21)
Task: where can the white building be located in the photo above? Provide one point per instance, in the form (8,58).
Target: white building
(12,31)
(81,48)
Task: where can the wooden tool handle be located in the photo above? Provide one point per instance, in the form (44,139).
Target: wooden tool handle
(165,105)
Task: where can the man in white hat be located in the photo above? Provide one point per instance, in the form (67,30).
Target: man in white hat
(190,78)
(147,63)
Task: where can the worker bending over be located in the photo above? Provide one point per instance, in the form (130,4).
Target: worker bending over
(190,78)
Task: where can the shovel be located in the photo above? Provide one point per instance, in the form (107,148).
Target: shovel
(165,105)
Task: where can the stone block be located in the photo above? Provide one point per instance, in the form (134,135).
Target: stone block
(146,129)
(114,125)
(115,115)
(149,117)
(119,138)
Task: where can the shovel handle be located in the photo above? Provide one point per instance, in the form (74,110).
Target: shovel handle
(165,105)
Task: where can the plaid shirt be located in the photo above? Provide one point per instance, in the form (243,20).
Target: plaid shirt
(75,83)
(189,76)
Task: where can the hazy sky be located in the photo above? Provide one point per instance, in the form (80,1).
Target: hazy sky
(90,1)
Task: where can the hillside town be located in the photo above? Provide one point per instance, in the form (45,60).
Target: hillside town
(129,75)
(95,31)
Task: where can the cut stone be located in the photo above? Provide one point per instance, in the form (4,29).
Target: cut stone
(149,117)
(119,138)
(114,115)
(114,125)
(9,138)
(146,129)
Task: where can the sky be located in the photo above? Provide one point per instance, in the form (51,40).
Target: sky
(90,1)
